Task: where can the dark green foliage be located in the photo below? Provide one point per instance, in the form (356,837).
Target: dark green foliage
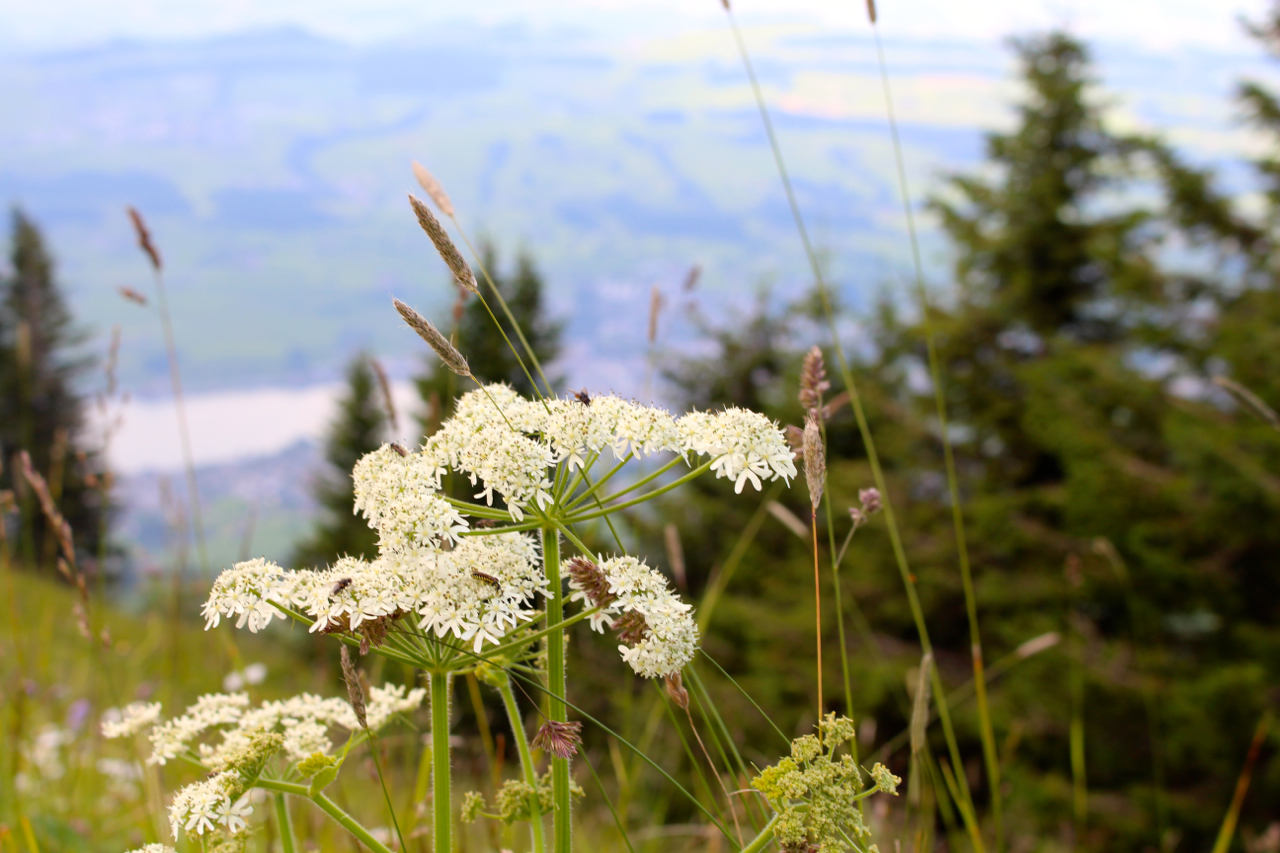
(358,429)
(1070,330)
(473,333)
(40,409)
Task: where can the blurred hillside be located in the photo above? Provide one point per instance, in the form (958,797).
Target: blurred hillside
(273,165)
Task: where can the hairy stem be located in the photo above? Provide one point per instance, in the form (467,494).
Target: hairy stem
(557,712)
(441,790)
(761,841)
(287,842)
(526,761)
(330,808)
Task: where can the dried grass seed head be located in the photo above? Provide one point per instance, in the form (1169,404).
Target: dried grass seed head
(448,352)
(462,273)
(355,692)
(144,238)
(432,187)
(813,380)
(815,460)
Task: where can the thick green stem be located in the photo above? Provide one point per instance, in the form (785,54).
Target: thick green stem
(285,824)
(526,761)
(762,840)
(557,712)
(330,808)
(441,791)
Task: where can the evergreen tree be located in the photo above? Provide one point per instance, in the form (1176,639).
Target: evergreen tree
(359,428)
(489,356)
(40,410)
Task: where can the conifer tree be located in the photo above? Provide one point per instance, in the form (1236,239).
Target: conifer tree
(40,410)
(359,428)
(489,356)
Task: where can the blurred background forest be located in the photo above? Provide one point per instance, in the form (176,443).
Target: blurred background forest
(1106,304)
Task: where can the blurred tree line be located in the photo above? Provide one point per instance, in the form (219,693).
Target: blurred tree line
(1119,505)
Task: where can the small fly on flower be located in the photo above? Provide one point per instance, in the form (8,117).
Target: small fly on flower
(339,586)
(399,449)
(489,579)
(582,397)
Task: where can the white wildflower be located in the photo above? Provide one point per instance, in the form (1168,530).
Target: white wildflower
(154,848)
(131,720)
(199,807)
(246,591)
(171,738)
(668,636)
(745,446)
(232,815)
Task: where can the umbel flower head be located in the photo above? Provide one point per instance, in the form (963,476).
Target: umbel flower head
(657,628)
(297,728)
(433,568)
(816,794)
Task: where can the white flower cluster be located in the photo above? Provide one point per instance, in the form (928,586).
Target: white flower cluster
(131,720)
(477,591)
(506,444)
(669,636)
(300,726)
(203,806)
(154,848)
(303,720)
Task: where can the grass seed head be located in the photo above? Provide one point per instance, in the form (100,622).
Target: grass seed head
(871,10)
(677,691)
(144,238)
(813,381)
(133,295)
(559,739)
(592,579)
(462,273)
(448,352)
(432,187)
(355,693)
(815,460)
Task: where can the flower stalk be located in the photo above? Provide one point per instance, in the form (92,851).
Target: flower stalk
(527,768)
(557,712)
(441,787)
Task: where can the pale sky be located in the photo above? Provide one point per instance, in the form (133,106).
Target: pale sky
(1159,24)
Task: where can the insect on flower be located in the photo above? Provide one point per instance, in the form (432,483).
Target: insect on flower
(489,579)
(340,586)
(582,397)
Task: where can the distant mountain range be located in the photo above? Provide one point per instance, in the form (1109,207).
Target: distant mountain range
(272,167)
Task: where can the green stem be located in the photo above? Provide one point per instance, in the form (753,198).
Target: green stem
(631,488)
(526,761)
(575,501)
(330,808)
(287,842)
(762,840)
(441,791)
(557,712)
(695,473)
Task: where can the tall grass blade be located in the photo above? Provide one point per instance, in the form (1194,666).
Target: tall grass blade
(1228,829)
(953,485)
(855,400)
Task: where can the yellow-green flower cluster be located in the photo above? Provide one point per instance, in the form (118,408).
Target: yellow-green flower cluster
(816,793)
